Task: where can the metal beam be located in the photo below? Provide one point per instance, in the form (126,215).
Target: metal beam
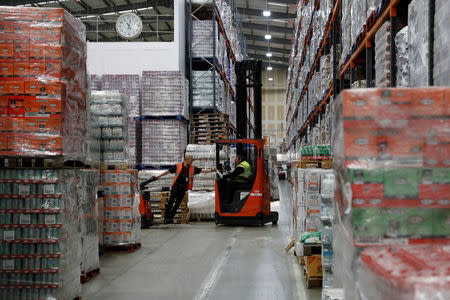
(263,27)
(273,40)
(264,48)
(117,8)
(273,58)
(259,13)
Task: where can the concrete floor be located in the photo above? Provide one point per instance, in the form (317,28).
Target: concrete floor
(204,261)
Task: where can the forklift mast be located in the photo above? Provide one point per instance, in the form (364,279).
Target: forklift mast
(248,78)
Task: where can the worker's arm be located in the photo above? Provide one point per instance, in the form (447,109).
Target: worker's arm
(238,171)
(163,174)
(207,170)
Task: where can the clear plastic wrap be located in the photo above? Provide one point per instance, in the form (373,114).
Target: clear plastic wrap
(270,156)
(359,17)
(203,93)
(167,135)
(42,252)
(129,85)
(202,38)
(405,272)
(418,40)
(108,127)
(43,83)
(122,221)
(402,57)
(441,70)
(89,225)
(202,204)
(164,93)
(346,26)
(383,56)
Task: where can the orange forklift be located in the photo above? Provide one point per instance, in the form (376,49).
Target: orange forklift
(245,204)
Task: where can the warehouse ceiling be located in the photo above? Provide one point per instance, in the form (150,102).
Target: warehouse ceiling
(99,17)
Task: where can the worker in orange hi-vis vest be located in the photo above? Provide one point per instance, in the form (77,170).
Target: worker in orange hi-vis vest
(183,181)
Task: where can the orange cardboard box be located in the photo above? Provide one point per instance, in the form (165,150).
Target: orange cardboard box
(6,26)
(437,156)
(313,265)
(43,88)
(21,69)
(21,51)
(360,142)
(357,103)
(435,195)
(6,69)
(15,143)
(37,106)
(11,87)
(38,32)
(37,50)
(4,100)
(3,144)
(42,125)
(53,51)
(41,144)
(3,118)
(428,102)
(15,125)
(37,68)
(6,50)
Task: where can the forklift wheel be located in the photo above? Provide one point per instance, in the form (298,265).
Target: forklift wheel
(217,218)
(274,216)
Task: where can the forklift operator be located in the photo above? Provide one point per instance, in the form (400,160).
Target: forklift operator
(238,179)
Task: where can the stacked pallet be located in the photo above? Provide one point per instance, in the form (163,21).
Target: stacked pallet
(207,128)
(159,202)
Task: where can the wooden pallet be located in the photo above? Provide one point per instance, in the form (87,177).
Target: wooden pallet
(126,248)
(86,276)
(39,163)
(203,217)
(312,281)
(321,164)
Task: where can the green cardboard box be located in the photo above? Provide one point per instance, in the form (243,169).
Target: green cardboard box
(402,183)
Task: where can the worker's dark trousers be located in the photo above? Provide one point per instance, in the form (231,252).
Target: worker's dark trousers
(176,196)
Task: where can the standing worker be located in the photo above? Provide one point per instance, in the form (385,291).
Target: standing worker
(183,181)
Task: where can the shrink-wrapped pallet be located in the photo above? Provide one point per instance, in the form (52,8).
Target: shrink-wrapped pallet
(383,56)
(108,127)
(402,57)
(43,86)
(441,61)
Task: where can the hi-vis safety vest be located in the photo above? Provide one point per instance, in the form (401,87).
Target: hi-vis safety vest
(244,177)
(191,175)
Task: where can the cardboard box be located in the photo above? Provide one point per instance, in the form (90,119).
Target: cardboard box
(367,194)
(437,156)
(6,69)
(359,143)
(11,87)
(21,69)
(313,265)
(402,183)
(429,102)
(37,107)
(3,143)
(6,50)
(42,144)
(360,103)
(51,126)
(15,143)
(436,195)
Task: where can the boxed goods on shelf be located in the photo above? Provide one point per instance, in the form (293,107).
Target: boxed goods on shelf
(358,18)
(164,93)
(383,56)
(402,57)
(270,156)
(43,83)
(202,38)
(346,25)
(169,135)
(128,85)
(121,217)
(108,127)
(95,82)
(418,39)
(204,95)
(441,58)
(41,250)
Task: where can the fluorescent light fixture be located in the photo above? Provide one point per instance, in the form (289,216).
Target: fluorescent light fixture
(269,54)
(145,8)
(268,36)
(126,11)
(109,14)
(266,13)
(269,68)
(89,16)
(270,78)
(277,4)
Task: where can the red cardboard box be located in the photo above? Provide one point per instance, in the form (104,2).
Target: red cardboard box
(51,126)
(6,50)
(437,156)
(367,194)
(22,69)
(360,103)
(35,106)
(6,69)
(37,144)
(15,143)
(360,142)
(3,144)
(436,195)
(11,87)
(43,88)
(37,50)
(428,102)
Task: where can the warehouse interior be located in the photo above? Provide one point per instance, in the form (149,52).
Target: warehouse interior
(217,149)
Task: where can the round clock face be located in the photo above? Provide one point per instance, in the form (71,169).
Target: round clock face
(129,26)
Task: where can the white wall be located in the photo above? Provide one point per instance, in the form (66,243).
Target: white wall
(135,57)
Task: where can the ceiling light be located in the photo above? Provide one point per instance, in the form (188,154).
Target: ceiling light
(266,13)
(145,8)
(270,78)
(109,14)
(269,68)
(277,4)
(269,54)
(268,36)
